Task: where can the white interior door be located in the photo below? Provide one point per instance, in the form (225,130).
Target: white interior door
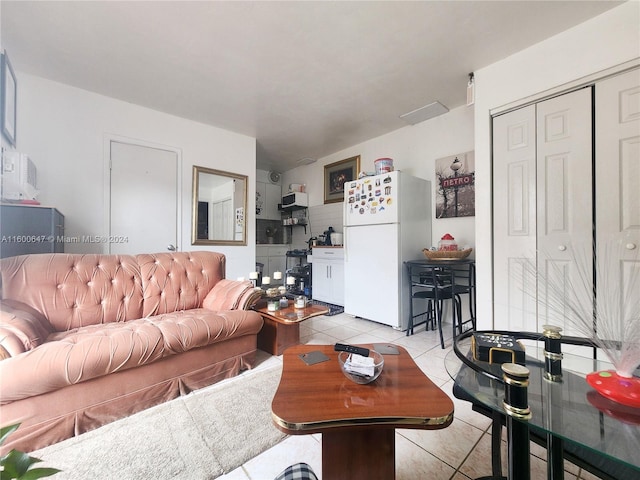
(618,200)
(564,208)
(514,225)
(222,220)
(542,208)
(143,199)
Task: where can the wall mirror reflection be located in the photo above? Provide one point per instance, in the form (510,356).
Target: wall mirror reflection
(219,207)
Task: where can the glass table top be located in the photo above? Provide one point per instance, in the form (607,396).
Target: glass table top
(569,409)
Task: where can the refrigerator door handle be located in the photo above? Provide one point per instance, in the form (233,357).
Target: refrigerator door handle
(345,235)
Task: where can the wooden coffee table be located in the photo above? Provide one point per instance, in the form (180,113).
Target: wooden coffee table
(357,422)
(281,328)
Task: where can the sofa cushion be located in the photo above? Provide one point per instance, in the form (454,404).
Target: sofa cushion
(73,291)
(226,295)
(182,331)
(77,355)
(178,280)
(84,353)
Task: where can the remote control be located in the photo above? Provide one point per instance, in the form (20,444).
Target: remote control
(341,347)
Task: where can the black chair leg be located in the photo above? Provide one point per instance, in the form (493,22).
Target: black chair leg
(439,318)
(430,320)
(456,316)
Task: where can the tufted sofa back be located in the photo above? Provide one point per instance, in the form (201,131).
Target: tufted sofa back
(178,280)
(72,291)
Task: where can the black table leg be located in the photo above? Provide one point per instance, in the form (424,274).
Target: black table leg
(516,406)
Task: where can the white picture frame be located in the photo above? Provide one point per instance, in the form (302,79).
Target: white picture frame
(8,100)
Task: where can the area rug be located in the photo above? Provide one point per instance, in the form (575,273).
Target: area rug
(333,309)
(203,435)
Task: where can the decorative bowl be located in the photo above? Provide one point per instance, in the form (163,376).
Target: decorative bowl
(358,374)
(446,254)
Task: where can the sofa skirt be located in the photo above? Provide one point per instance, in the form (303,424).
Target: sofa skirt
(55,416)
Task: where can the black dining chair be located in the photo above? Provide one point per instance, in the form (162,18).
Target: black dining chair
(432,284)
(437,283)
(463,280)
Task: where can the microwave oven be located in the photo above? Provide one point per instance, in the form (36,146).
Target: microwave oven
(295,199)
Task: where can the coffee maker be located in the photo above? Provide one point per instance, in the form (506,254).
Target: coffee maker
(326,236)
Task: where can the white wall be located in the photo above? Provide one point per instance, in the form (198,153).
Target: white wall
(63,130)
(414,150)
(610,39)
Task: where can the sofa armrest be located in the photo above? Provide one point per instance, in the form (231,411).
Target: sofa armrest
(10,344)
(229,295)
(22,328)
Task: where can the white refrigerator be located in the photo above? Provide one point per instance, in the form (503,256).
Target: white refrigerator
(387,221)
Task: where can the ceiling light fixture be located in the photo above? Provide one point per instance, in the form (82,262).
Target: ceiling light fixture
(424,113)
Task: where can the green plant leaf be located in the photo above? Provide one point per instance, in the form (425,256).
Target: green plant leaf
(15,464)
(39,473)
(6,431)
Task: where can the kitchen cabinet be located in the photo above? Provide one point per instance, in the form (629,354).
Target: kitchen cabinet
(274,259)
(268,196)
(27,229)
(327,275)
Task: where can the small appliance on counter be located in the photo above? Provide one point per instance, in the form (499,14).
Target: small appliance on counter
(325,238)
(336,239)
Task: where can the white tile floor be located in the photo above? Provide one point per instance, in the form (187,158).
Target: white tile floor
(460,452)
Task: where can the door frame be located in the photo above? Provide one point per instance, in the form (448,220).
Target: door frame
(107,141)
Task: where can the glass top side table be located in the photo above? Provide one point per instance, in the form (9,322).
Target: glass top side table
(569,409)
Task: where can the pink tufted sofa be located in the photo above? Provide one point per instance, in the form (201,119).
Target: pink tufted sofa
(88,339)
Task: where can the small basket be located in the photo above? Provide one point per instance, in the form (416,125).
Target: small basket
(446,254)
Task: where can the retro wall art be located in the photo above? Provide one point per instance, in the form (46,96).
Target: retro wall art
(455,186)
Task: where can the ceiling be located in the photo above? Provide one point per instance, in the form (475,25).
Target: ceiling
(306,79)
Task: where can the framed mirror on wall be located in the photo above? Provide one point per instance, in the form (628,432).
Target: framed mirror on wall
(218,211)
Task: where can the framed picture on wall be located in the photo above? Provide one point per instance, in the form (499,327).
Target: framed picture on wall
(335,176)
(455,194)
(8,98)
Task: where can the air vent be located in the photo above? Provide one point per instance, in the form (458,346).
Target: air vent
(306,161)
(424,113)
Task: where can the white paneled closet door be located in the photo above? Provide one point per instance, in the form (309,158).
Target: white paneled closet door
(565,210)
(514,226)
(542,177)
(618,198)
